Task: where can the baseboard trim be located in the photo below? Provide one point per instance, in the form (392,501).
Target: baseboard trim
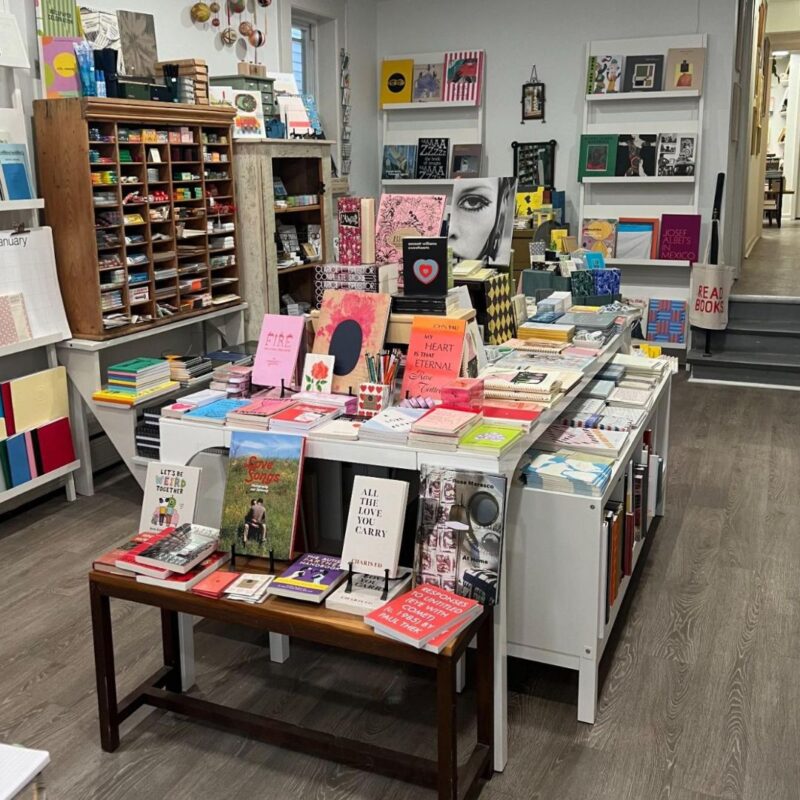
(764,298)
(739,384)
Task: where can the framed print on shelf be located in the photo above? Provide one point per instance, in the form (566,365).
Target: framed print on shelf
(533,101)
(534,163)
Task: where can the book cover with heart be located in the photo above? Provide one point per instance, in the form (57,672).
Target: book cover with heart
(351,324)
(425,265)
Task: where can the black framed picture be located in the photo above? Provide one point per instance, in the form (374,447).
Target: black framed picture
(533,101)
(535,163)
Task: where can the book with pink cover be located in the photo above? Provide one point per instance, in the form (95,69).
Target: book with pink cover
(402,215)
(356,230)
(278,350)
(262,407)
(444,421)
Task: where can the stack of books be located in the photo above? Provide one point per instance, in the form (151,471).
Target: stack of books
(427,617)
(135,380)
(391,425)
(590,412)
(583,440)
(640,365)
(514,414)
(630,398)
(249,587)
(216,412)
(442,428)
(342,429)
(190,402)
(490,439)
(598,389)
(565,471)
(301,417)
(534,387)
(256,414)
(551,332)
(189,370)
(240,355)
(366,592)
(233,379)
(175,558)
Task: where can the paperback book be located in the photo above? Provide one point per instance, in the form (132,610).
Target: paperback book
(311,578)
(184,582)
(170,494)
(367,592)
(179,549)
(399,161)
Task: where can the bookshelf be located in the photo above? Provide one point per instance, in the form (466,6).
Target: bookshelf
(140,198)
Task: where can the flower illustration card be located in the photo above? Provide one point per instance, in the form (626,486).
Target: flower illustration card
(318,373)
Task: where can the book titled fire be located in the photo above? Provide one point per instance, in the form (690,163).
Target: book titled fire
(422,614)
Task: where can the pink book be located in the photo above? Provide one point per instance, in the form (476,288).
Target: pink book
(31,456)
(445,421)
(402,215)
(463,76)
(278,349)
(356,231)
(263,407)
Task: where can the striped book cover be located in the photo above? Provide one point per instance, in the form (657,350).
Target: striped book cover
(463,76)
(666,321)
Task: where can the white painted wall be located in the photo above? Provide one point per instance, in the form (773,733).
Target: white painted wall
(517,33)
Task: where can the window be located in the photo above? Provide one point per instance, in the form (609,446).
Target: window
(303,55)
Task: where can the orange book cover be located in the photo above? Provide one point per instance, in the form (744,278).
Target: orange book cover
(435,349)
(216,583)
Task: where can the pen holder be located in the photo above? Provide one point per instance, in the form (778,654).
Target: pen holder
(372,398)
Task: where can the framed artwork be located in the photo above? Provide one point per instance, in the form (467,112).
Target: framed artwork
(533,101)
(535,163)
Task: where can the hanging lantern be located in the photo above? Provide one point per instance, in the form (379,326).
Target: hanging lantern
(229,36)
(237,6)
(200,12)
(214,8)
(256,38)
(246,28)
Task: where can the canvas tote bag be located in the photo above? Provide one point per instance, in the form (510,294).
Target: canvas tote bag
(710,290)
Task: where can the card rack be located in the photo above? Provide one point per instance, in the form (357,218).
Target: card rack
(143,215)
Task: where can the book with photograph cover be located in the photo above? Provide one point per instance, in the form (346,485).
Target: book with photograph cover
(677,153)
(399,162)
(179,549)
(262,493)
(460,532)
(466,161)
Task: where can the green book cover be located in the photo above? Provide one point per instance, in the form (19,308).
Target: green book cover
(262,493)
(490,437)
(5,467)
(598,156)
(135,365)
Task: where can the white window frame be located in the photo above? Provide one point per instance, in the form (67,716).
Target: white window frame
(308,28)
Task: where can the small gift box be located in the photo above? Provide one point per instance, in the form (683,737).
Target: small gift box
(373,398)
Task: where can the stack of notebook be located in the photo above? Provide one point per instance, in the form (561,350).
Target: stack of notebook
(257,413)
(582,440)
(551,332)
(233,379)
(630,398)
(391,425)
(441,428)
(134,380)
(301,417)
(565,471)
(531,386)
(189,370)
(489,439)
(192,401)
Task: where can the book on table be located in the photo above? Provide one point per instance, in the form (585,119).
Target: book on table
(249,587)
(374,530)
(179,549)
(186,581)
(112,561)
(566,471)
(302,417)
(312,577)
(391,425)
(342,429)
(127,559)
(583,439)
(490,439)
(170,495)
(215,584)
(367,592)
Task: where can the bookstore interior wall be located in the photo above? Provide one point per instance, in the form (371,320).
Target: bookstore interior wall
(553,35)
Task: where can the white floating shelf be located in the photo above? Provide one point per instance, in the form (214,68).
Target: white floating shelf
(430,105)
(30,344)
(646,179)
(646,262)
(21,205)
(623,96)
(24,488)
(662,345)
(416,181)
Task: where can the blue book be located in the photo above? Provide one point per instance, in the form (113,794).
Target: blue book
(217,411)
(15,173)
(18,459)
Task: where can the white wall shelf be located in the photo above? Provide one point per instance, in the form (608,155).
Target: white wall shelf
(416,182)
(21,205)
(645,179)
(431,104)
(647,262)
(616,97)
(41,480)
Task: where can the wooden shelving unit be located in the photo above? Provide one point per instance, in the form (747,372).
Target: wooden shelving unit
(139,239)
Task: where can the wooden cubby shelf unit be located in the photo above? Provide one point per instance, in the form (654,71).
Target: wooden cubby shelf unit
(111,261)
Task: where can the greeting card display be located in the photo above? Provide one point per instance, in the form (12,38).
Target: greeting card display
(318,373)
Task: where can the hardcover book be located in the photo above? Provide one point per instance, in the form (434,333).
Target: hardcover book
(680,237)
(262,493)
(599,236)
(466,161)
(184,582)
(278,349)
(463,76)
(374,529)
(425,265)
(684,70)
(179,549)
(351,324)
(356,230)
(432,158)
(666,321)
(128,563)
(402,215)
(676,154)
(598,156)
(367,593)
(311,578)
(38,398)
(460,532)
(170,494)
(399,161)
(637,238)
(605,74)
(15,172)
(636,155)
(428,82)
(435,351)
(643,73)
(108,561)
(52,443)
(396,81)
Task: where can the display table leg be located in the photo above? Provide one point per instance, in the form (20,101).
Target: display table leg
(104,670)
(485,693)
(587,690)
(186,624)
(447,729)
(461,674)
(171,644)
(84,480)
(278,648)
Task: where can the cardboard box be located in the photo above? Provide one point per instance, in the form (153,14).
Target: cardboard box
(252,70)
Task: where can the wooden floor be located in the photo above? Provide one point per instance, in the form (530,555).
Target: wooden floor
(700,697)
(773,267)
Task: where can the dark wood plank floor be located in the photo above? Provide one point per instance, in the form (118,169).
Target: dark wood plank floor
(700,691)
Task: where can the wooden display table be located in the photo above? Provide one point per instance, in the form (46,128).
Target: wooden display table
(314,624)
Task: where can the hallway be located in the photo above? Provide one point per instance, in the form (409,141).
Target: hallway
(773,267)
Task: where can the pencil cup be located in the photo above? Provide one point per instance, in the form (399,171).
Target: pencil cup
(372,398)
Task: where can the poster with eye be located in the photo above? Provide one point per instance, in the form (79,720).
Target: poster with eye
(482,219)
(432,157)
(351,324)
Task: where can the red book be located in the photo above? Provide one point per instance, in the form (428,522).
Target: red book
(356,230)
(499,410)
(190,579)
(108,561)
(422,614)
(8,408)
(54,443)
(216,583)
(127,561)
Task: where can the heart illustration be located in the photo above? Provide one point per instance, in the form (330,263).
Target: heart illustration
(426,271)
